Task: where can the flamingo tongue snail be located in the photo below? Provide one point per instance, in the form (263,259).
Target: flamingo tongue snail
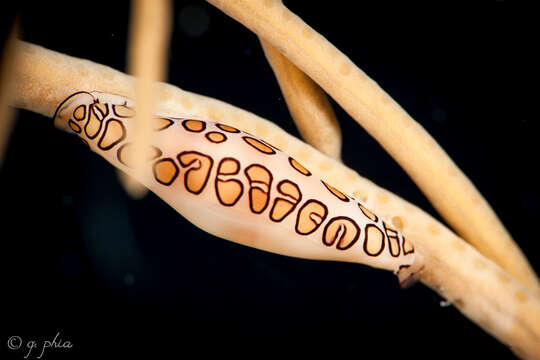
(238,187)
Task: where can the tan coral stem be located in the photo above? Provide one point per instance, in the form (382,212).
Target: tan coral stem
(7,64)
(480,289)
(148,44)
(307,103)
(453,195)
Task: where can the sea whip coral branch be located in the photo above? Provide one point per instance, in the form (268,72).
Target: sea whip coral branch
(448,189)
(8,59)
(307,103)
(148,45)
(479,288)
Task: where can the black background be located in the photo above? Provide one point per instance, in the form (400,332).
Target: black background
(117,276)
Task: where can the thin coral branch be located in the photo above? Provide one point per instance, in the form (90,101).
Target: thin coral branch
(7,63)
(478,287)
(307,103)
(453,195)
(148,45)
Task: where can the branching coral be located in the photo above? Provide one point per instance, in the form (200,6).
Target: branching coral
(416,151)
(454,269)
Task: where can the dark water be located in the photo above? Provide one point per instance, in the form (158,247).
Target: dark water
(116,276)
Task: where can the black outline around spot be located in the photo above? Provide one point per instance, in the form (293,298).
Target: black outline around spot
(366,231)
(270,145)
(323,218)
(121,116)
(84,116)
(337,218)
(360,206)
(259,182)
(171,122)
(207,136)
(116,142)
(245,138)
(286,200)
(189,170)
(88,122)
(160,153)
(405,253)
(386,228)
(175,174)
(119,152)
(339,191)
(229,131)
(295,168)
(234,180)
(71,124)
(292,183)
(107,111)
(67,99)
(194,131)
